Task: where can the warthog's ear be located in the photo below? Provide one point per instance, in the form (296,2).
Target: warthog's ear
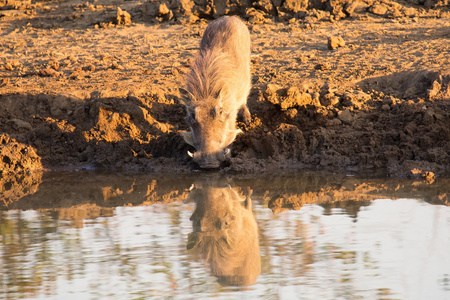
(187,136)
(219,95)
(248,200)
(185,96)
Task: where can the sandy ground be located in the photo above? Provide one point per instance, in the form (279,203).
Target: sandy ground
(82,89)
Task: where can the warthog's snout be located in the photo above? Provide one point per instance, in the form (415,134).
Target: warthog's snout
(210,161)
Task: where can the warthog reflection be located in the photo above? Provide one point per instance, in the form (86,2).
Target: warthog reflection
(225,234)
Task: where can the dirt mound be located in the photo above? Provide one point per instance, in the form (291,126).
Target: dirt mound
(17,157)
(423,84)
(92,132)
(263,10)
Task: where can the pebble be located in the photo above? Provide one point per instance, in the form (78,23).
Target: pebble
(335,42)
(345,116)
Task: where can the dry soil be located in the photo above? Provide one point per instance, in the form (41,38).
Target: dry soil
(348,85)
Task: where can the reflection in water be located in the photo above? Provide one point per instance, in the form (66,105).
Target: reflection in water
(225,233)
(14,187)
(100,236)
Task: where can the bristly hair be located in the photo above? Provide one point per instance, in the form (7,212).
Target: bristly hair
(212,72)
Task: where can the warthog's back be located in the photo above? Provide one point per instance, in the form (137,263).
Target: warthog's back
(230,35)
(223,63)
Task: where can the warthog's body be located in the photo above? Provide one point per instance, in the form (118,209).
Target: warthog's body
(217,88)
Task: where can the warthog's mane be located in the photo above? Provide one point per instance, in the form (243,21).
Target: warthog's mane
(212,74)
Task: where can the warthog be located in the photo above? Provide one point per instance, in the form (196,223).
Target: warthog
(225,233)
(217,89)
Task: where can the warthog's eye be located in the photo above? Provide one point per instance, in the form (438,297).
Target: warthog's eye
(217,113)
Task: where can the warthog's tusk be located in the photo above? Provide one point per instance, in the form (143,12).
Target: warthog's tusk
(190,154)
(226,151)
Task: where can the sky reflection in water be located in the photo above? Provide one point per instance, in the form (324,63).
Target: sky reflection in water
(126,237)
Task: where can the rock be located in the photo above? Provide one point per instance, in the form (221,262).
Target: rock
(434,90)
(410,92)
(21,125)
(4,81)
(350,7)
(54,65)
(334,122)
(255,16)
(295,6)
(355,7)
(355,99)
(186,7)
(190,19)
(90,68)
(379,9)
(123,18)
(264,5)
(335,42)
(322,67)
(9,67)
(49,73)
(295,98)
(116,66)
(77,74)
(345,116)
(164,12)
(270,94)
(163,9)
(336,8)
(149,9)
(329,99)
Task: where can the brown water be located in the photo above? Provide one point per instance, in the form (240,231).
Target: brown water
(83,235)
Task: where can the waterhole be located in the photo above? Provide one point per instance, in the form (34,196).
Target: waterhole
(82,235)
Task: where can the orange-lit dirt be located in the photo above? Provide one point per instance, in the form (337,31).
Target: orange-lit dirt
(85,85)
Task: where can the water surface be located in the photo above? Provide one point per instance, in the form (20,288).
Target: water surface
(86,235)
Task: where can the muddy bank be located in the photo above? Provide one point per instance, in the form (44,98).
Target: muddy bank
(87,86)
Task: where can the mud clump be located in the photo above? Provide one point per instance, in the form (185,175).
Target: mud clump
(287,98)
(123,17)
(335,42)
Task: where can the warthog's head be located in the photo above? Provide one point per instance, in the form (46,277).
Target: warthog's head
(212,130)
